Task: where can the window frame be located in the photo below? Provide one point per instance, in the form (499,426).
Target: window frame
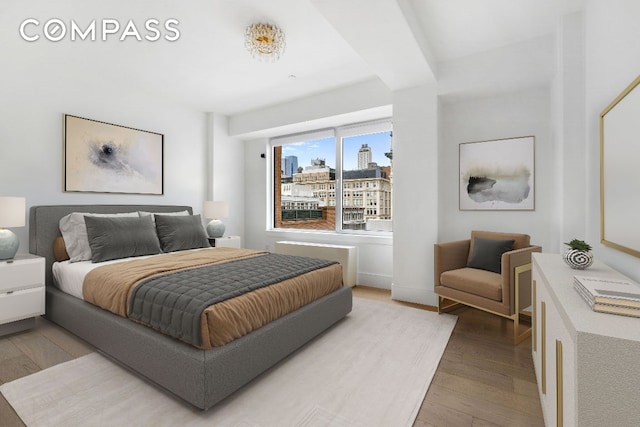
(339,134)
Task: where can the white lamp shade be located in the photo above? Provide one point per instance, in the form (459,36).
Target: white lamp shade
(12,212)
(215,210)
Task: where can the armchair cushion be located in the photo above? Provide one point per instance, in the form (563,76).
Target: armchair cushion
(474,281)
(521,240)
(487,253)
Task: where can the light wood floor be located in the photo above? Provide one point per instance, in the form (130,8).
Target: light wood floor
(482,379)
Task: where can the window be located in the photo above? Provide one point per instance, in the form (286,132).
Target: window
(367,167)
(305,166)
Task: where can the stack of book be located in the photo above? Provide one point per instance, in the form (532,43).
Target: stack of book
(609,295)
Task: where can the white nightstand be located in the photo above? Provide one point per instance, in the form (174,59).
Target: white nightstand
(225,242)
(21,292)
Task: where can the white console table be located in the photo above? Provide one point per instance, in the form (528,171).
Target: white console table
(587,363)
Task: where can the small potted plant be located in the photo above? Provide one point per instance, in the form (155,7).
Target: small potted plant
(578,255)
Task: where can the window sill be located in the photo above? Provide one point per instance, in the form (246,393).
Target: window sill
(381,238)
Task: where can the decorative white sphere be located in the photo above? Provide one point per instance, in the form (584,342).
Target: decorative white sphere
(577,259)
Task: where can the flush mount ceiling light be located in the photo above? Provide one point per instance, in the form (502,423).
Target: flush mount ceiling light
(264,41)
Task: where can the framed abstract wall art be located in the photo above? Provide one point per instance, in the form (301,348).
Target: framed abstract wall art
(497,174)
(101,157)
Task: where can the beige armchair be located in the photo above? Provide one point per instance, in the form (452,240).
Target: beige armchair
(505,291)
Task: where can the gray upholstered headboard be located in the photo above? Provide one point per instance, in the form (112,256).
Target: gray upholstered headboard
(44,225)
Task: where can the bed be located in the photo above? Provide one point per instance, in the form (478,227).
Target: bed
(202,377)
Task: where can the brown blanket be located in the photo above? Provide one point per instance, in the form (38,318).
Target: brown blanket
(110,287)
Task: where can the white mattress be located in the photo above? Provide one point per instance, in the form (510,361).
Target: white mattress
(69,276)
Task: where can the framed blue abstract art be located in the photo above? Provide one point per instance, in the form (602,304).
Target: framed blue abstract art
(101,157)
(498,174)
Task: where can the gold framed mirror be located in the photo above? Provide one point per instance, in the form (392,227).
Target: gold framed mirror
(619,167)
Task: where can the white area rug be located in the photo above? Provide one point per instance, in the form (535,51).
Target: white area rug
(371,369)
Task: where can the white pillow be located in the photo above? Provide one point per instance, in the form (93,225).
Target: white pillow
(153,214)
(74,233)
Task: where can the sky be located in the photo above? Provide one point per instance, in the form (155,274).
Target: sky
(380,143)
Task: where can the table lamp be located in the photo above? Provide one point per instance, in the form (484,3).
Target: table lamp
(11,215)
(215,211)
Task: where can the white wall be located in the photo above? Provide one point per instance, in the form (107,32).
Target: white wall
(226,172)
(612,63)
(34,99)
(498,94)
(256,194)
(485,118)
(569,134)
(415,193)
(331,108)
(595,61)
(505,69)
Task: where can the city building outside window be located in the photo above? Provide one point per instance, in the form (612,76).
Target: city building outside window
(305,166)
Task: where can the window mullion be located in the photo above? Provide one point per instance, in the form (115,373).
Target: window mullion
(338,183)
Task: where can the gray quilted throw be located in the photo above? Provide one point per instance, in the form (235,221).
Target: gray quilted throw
(173,303)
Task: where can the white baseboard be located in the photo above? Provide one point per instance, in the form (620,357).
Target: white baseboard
(374,280)
(415,295)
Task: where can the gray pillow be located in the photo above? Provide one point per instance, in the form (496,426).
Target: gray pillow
(114,238)
(178,233)
(74,233)
(152,214)
(487,253)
